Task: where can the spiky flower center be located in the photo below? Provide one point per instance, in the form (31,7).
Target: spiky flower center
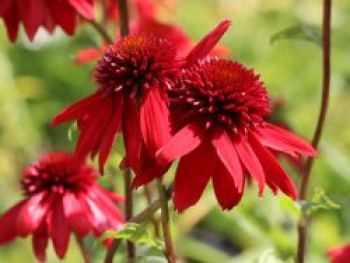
(137,62)
(222,92)
(56,173)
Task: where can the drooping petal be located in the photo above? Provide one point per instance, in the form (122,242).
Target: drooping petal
(95,128)
(76,214)
(226,191)
(76,110)
(154,116)
(110,134)
(60,229)
(40,242)
(84,7)
(250,161)
(183,142)
(149,169)
(64,15)
(5,6)
(87,55)
(228,156)
(283,140)
(32,13)
(274,173)
(132,132)
(100,220)
(11,19)
(8,223)
(192,175)
(32,213)
(202,49)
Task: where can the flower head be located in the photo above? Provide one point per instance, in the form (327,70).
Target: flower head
(340,254)
(219,109)
(61,197)
(133,76)
(49,14)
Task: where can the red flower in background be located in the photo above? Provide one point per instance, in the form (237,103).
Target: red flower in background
(133,76)
(47,13)
(218,111)
(61,198)
(340,254)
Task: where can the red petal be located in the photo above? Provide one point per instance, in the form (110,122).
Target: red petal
(273,171)
(32,213)
(63,15)
(250,161)
(87,55)
(60,229)
(95,128)
(149,169)
(11,19)
(100,220)
(76,110)
(228,156)
(202,48)
(32,13)
(154,116)
(40,242)
(285,141)
(76,214)
(192,176)
(183,142)
(84,7)
(8,223)
(132,132)
(110,135)
(225,188)
(5,6)
(146,8)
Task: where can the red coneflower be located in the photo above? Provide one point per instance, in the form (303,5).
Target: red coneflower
(218,111)
(46,13)
(133,77)
(340,254)
(61,197)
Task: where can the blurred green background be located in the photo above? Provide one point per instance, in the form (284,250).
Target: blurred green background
(38,79)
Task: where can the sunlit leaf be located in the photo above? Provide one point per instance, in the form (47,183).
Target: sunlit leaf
(137,233)
(318,201)
(301,32)
(269,256)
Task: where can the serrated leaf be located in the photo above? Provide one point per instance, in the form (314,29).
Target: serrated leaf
(137,233)
(301,32)
(318,201)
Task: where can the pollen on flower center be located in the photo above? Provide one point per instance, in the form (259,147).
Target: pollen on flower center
(222,92)
(138,61)
(56,173)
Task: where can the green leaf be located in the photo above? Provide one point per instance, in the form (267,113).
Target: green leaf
(318,201)
(137,233)
(71,130)
(301,32)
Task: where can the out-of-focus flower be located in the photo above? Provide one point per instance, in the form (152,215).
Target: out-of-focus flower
(62,197)
(218,111)
(340,254)
(47,13)
(133,76)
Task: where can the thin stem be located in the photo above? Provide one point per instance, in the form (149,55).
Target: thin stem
(112,250)
(84,251)
(326,58)
(124,17)
(169,247)
(100,29)
(148,195)
(128,208)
